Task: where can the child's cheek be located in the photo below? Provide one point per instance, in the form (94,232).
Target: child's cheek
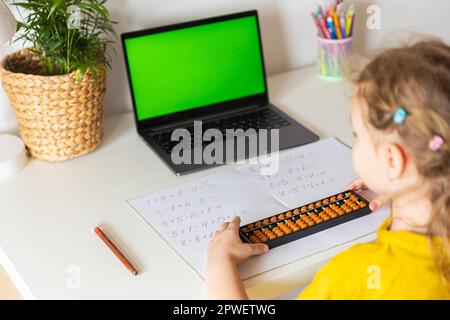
(356,157)
(361,164)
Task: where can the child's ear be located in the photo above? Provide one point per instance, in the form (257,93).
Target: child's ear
(395,161)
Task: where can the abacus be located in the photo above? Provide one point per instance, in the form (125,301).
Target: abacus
(305,220)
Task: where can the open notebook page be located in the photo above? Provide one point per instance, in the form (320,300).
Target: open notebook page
(187,215)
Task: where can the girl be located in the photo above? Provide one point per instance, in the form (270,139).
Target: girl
(401,119)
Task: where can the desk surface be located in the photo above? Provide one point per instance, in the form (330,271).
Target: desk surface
(48,211)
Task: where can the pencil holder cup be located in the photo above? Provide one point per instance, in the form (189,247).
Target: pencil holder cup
(333,59)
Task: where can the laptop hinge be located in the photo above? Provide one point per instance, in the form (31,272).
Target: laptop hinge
(185,122)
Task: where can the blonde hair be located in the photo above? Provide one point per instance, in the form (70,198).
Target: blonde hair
(417,78)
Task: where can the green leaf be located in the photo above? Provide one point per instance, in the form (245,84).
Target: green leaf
(63,50)
(55,6)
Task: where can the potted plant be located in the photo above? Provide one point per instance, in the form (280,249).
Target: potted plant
(56,86)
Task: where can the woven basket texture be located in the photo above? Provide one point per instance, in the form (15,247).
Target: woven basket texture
(59,118)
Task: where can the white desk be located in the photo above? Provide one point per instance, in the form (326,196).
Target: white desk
(48,212)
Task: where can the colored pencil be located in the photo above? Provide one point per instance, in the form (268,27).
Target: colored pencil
(350,17)
(342,19)
(116,251)
(331,28)
(319,27)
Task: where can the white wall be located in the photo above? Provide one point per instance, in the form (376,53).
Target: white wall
(287,31)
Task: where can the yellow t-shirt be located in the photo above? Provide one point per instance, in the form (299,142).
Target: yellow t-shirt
(398,265)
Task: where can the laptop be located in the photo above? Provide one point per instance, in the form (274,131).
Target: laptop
(209,72)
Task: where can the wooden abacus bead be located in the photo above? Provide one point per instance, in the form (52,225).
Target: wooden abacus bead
(289,214)
(348,194)
(333,215)
(251,226)
(265,239)
(258,224)
(266,221)
(274,219)
(340,212)
(318,203)
(304,209)
(280,233)
(256,241)
(354,198)
(320,220)
(333,198)
(311,223)
(297,211)
(244,230)
(272,236)
(362,204)
(326,201)
(281,216)
(311,206)
(260,235)
(326,218)
(340,196)
(295,228)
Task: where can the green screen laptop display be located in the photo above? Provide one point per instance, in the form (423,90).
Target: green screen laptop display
(183,69)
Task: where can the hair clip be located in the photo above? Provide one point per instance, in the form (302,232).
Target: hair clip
(400,115)
(435,143)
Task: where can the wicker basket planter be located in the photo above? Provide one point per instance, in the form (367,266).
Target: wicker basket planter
(59,118)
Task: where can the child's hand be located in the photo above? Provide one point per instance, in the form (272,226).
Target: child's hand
(226,245)
(358,185)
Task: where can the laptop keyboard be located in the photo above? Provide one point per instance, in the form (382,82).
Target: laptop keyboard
(264,119)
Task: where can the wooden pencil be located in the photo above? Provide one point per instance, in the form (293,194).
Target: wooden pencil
(116,251)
